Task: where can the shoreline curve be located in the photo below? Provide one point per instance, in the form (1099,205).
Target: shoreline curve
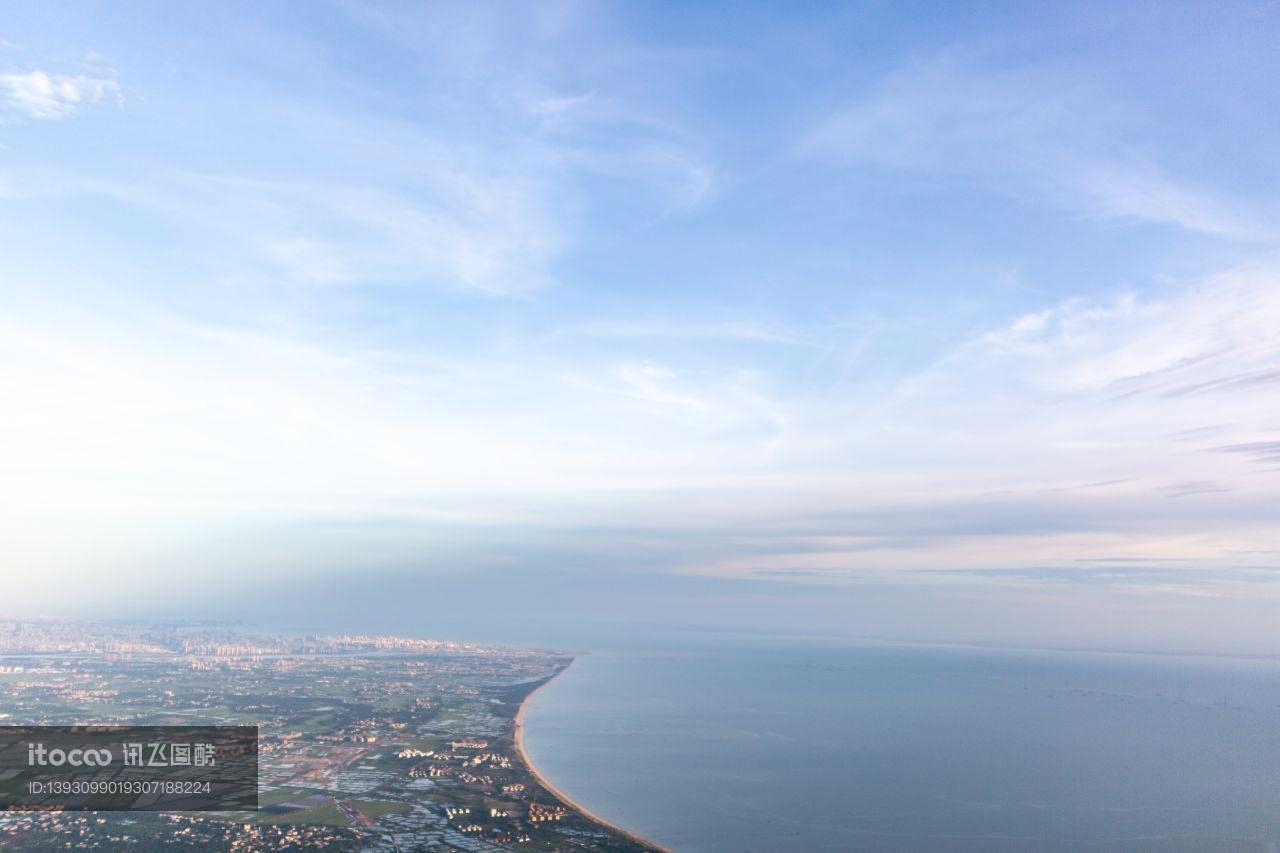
(556,792)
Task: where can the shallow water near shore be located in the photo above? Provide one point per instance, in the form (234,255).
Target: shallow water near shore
(825,746)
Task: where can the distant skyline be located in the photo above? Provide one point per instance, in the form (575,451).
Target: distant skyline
(787,298)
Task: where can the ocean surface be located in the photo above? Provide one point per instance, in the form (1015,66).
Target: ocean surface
(814,746)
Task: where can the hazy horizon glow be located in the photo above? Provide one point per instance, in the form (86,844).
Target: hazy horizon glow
(903,294)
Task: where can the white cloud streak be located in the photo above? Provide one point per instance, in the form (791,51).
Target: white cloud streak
(42,95)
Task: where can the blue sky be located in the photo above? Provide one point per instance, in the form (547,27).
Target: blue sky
(786,295)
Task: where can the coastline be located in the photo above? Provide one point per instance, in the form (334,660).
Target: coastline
(556,792)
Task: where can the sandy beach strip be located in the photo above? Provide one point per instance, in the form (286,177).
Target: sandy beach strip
(556,792)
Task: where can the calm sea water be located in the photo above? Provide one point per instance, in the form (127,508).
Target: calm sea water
(814,747)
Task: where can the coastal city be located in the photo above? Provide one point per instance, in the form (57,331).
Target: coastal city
(365,743)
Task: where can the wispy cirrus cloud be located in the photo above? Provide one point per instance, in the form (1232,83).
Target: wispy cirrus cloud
(1216,336)
(1029,133)
(1060,435)
(355,194)
(1131,386)
(458,231)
